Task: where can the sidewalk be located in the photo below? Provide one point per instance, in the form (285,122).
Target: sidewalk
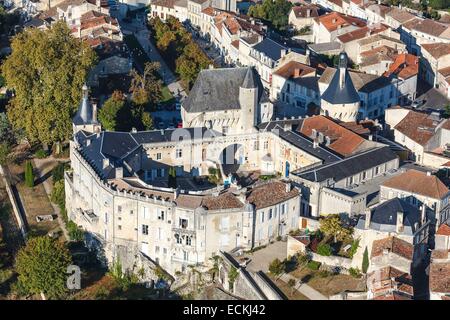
(305,289)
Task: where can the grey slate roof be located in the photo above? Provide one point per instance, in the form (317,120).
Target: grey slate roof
(350,166)
(270,48)
(85,111)
(218,89)
(334,94)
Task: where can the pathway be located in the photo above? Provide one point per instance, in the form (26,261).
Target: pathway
(303,288)
(40,166)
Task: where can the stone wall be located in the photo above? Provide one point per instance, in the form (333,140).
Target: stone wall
(332,261)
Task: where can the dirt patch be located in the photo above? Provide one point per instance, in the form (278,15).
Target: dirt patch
(288,291)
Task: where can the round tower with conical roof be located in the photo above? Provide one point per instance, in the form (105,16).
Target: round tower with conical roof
(341,100)
(86,117)
(248,100)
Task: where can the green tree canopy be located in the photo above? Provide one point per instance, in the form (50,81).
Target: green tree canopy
(365,262)
(276,12)
(146,88)
(109,112)
(42,266)
(46,70)
(29,175)
(332,226)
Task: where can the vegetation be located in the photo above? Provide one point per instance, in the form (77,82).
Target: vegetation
(184,56)
(324,249)
(110,111)
(75,233)
(446,114)
(276,267)
(124,280)
(58,172)
(232,276)
(42,266)
(8,20)
(354,248)
(314,265)
(29,175)
(146,88)
(275,12)
(215,268)
(291,283)
(4,152)
(172,177)
(354,272)
(365,262)
(333,226)
(214,175)
(46,70)
(41,154)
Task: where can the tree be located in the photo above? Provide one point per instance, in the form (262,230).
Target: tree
(439,4)
(58,172)
(46,70)
(332,226)
(276,12)
(276,267)
(146,87)
(172,178)
(29,175)
(109,113)
(6,132)
(189,64)
(365,262)
(4,152)
(291,284)
(42,266)
(58,195)
(147,120)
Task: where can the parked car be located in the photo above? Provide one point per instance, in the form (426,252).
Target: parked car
(161,125)
(178,106)
(417,103)
(180,125)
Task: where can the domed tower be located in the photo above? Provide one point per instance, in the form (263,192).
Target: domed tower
(341,100)
(86,117)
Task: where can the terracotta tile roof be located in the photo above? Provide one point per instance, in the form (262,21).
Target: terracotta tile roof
(334,20)
(417,126)
(226,200)
(164,3)
(235,44)
(443,230)
(294,69)
(399,15)
(392,296)
(377,55)
(445,72)
(437,50)
(361,33)
(440,277)
(388,281)
(427,26)
(405,66)
(418,182)
(210,11)
(302,11)
(379,9)
(362,128)
(343,141)
(336,2)
(270,194)
(439,255)
(394,245)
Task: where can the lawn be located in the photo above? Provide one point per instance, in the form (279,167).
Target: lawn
(328,285)
(287,290)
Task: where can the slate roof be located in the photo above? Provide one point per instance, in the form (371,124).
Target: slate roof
(85,112)
(418,182)
(218,89)
(335,94)
(270,48)
(350,166)
(386,213)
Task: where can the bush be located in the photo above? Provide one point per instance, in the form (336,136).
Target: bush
(75,233)
(314,265)
(324,249)
(41,154)
(58,172)
(29,176)
(354,272)
(365,262)
(323,273)
(276,267)
(354,248)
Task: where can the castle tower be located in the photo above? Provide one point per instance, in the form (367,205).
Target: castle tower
(248,99)
(86,117)
(341,100)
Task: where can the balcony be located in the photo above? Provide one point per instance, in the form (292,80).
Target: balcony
(88,215)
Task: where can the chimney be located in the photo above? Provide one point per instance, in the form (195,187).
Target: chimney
(315,143)
(334,20)
(423,211)
(94,112)
(283,52)
(308,13)
(368,218)
(98,3)
(287,126)
(370,137)
(79,31)
(133,130)
(321,137)
(105,163)
(313,133)
(176,192)
(399,227)
(428,173)
(296,72)
(119,172)
(88,142)
(327,141)
(211,66)
(288,187)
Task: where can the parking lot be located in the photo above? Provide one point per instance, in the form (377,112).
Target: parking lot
(165,119)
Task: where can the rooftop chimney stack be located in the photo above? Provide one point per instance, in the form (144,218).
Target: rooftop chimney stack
(367,221)
(119,172)
(288,187)
(308,13)
(105,163)
(94,112)
(399,227)
(315,143)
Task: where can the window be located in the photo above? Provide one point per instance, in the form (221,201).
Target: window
(164,251)
(119,227)
(160,214)
(105,217)
(256,145)
(266,145)
(146,213)
(283,208)
(178,238)
(156,249)
(270,214)
(131,211)
(183,223)
(178,153)
(224,223)
(225,129)
(185,255)
(262,216)
(160,234)
(158,156)
(119,209)
(145,229)
(188,241)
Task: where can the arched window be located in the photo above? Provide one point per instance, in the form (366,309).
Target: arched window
(177,238)
(188,241)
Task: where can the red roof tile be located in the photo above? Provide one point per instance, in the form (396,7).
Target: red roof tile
(440,277)
(394,245)
(404,66)
(417,126)
(443,230)
(334,20)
